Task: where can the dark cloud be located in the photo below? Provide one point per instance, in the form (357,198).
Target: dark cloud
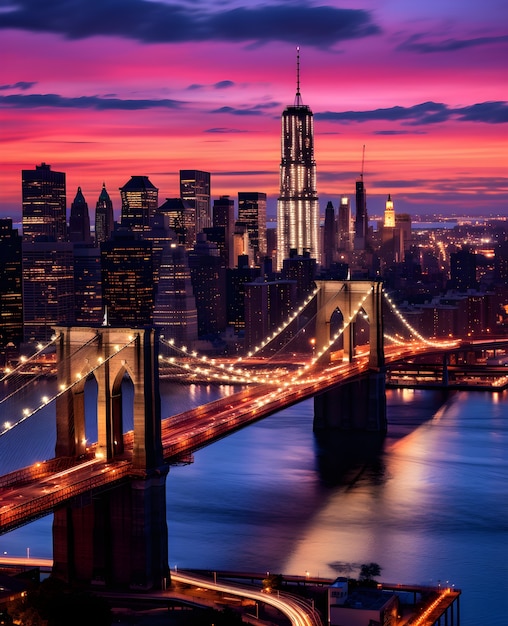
(416,44)
(21,85)
(224,131)
(224,84)
(425,113)
(36,101)
(257,109)
(398,132)
(152,21)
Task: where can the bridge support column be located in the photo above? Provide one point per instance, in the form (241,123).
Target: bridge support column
(117,539)
(358,405)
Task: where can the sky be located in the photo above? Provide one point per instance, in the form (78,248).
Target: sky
(106,89)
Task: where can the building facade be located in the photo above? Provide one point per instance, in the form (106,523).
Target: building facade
(44,204)
(298,204)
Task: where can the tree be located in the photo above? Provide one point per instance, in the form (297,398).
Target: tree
(368,571)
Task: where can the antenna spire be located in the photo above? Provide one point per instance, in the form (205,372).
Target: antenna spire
(363,161)
(298,97)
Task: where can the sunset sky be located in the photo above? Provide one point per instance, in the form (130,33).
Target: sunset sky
(107,89)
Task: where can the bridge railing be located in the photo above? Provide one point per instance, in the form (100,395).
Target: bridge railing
(12,517)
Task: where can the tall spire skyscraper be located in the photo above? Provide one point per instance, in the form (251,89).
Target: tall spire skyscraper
(298,204)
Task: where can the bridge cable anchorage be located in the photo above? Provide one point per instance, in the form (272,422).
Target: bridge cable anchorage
(45,400)
(419,336)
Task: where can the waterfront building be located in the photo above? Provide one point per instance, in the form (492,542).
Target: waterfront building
(252,213)
(43,204)
(11,296)
(79,220)
(195,189)
(298,204)
(139,204)
(104,217)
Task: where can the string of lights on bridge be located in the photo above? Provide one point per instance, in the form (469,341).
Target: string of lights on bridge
(45,400)
(243,376)
(413,331)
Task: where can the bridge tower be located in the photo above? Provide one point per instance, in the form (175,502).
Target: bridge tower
(360,404)
(118,537)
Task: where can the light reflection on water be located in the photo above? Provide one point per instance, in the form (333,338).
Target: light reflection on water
(428,503)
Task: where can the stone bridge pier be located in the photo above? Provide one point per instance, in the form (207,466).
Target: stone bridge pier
(359,405)
(116,538)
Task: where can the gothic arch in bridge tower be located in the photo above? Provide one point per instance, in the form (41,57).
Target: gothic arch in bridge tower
(108,354)
(350,297)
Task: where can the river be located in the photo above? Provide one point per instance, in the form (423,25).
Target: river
(429,503)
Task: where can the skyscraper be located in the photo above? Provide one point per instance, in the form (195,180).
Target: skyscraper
(298,205)
(195,189)
(252,212)
(139,203)
(224,218)
(361,218)
(344,224)
(11,301)
(127,279)
(389,213)
(44,204)
(104,219)
(79,220)
(329,236)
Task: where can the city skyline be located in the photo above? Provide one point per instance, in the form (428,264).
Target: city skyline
(103,95)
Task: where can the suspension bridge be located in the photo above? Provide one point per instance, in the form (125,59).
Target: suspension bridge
(334,348)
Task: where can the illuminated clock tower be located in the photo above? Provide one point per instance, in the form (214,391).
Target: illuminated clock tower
(298,204)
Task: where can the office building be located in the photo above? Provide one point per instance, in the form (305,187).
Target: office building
(361,218)
(79,220)
(87,285)
(175,312)
(139,204)
(44,204)
(11,296)
(344,225)
(298,205)
(329,237)
(224,218)
(127,280)
(208,276)
(104,218)
(252,213)
(181,219)
(267,306)
(48,288)
(195,189)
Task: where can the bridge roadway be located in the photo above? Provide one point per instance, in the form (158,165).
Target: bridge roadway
(33,492)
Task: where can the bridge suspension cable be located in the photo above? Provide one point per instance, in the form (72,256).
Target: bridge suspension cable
(26,361)
(45,400)
(413,331)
